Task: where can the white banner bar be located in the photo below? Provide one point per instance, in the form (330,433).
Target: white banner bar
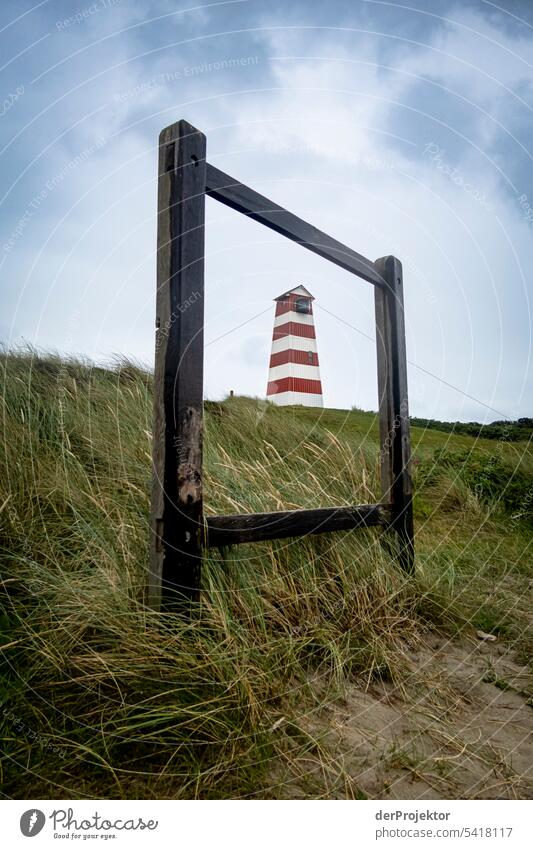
(250,824)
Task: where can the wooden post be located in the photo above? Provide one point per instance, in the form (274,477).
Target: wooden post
(177,515)
(393,405)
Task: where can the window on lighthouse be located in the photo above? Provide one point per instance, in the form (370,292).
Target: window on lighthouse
(302,305)
(310,357)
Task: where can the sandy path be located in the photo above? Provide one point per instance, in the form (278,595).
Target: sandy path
(459,726)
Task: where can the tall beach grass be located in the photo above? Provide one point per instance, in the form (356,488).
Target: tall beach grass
(102,697)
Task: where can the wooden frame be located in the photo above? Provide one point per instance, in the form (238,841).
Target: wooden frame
(180,531)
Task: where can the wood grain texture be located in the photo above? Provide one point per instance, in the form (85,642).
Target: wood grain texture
(243,199)
(253,527)
(177,521)
(385,395)
(393,405)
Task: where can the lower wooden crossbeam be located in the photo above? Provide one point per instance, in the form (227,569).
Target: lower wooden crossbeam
(253,527)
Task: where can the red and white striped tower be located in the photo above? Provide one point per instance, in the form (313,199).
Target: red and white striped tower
(294,375)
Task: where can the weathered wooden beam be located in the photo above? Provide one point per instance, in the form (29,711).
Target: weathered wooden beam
(253,527)
(395,454)
(240,197)
(177,523)
(385,396)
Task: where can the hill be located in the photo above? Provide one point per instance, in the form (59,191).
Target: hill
(504,430)
(314,667)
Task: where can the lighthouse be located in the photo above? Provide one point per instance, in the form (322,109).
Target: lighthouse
(294,374)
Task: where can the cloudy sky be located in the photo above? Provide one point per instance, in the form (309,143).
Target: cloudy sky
(399,128)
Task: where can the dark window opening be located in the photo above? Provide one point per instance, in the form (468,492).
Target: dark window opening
(302,305)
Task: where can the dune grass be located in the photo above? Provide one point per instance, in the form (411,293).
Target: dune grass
(104,698)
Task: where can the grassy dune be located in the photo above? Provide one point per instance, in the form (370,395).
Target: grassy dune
(104,698)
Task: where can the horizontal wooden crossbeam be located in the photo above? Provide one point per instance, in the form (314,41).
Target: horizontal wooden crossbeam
(253,527)
(229,191)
